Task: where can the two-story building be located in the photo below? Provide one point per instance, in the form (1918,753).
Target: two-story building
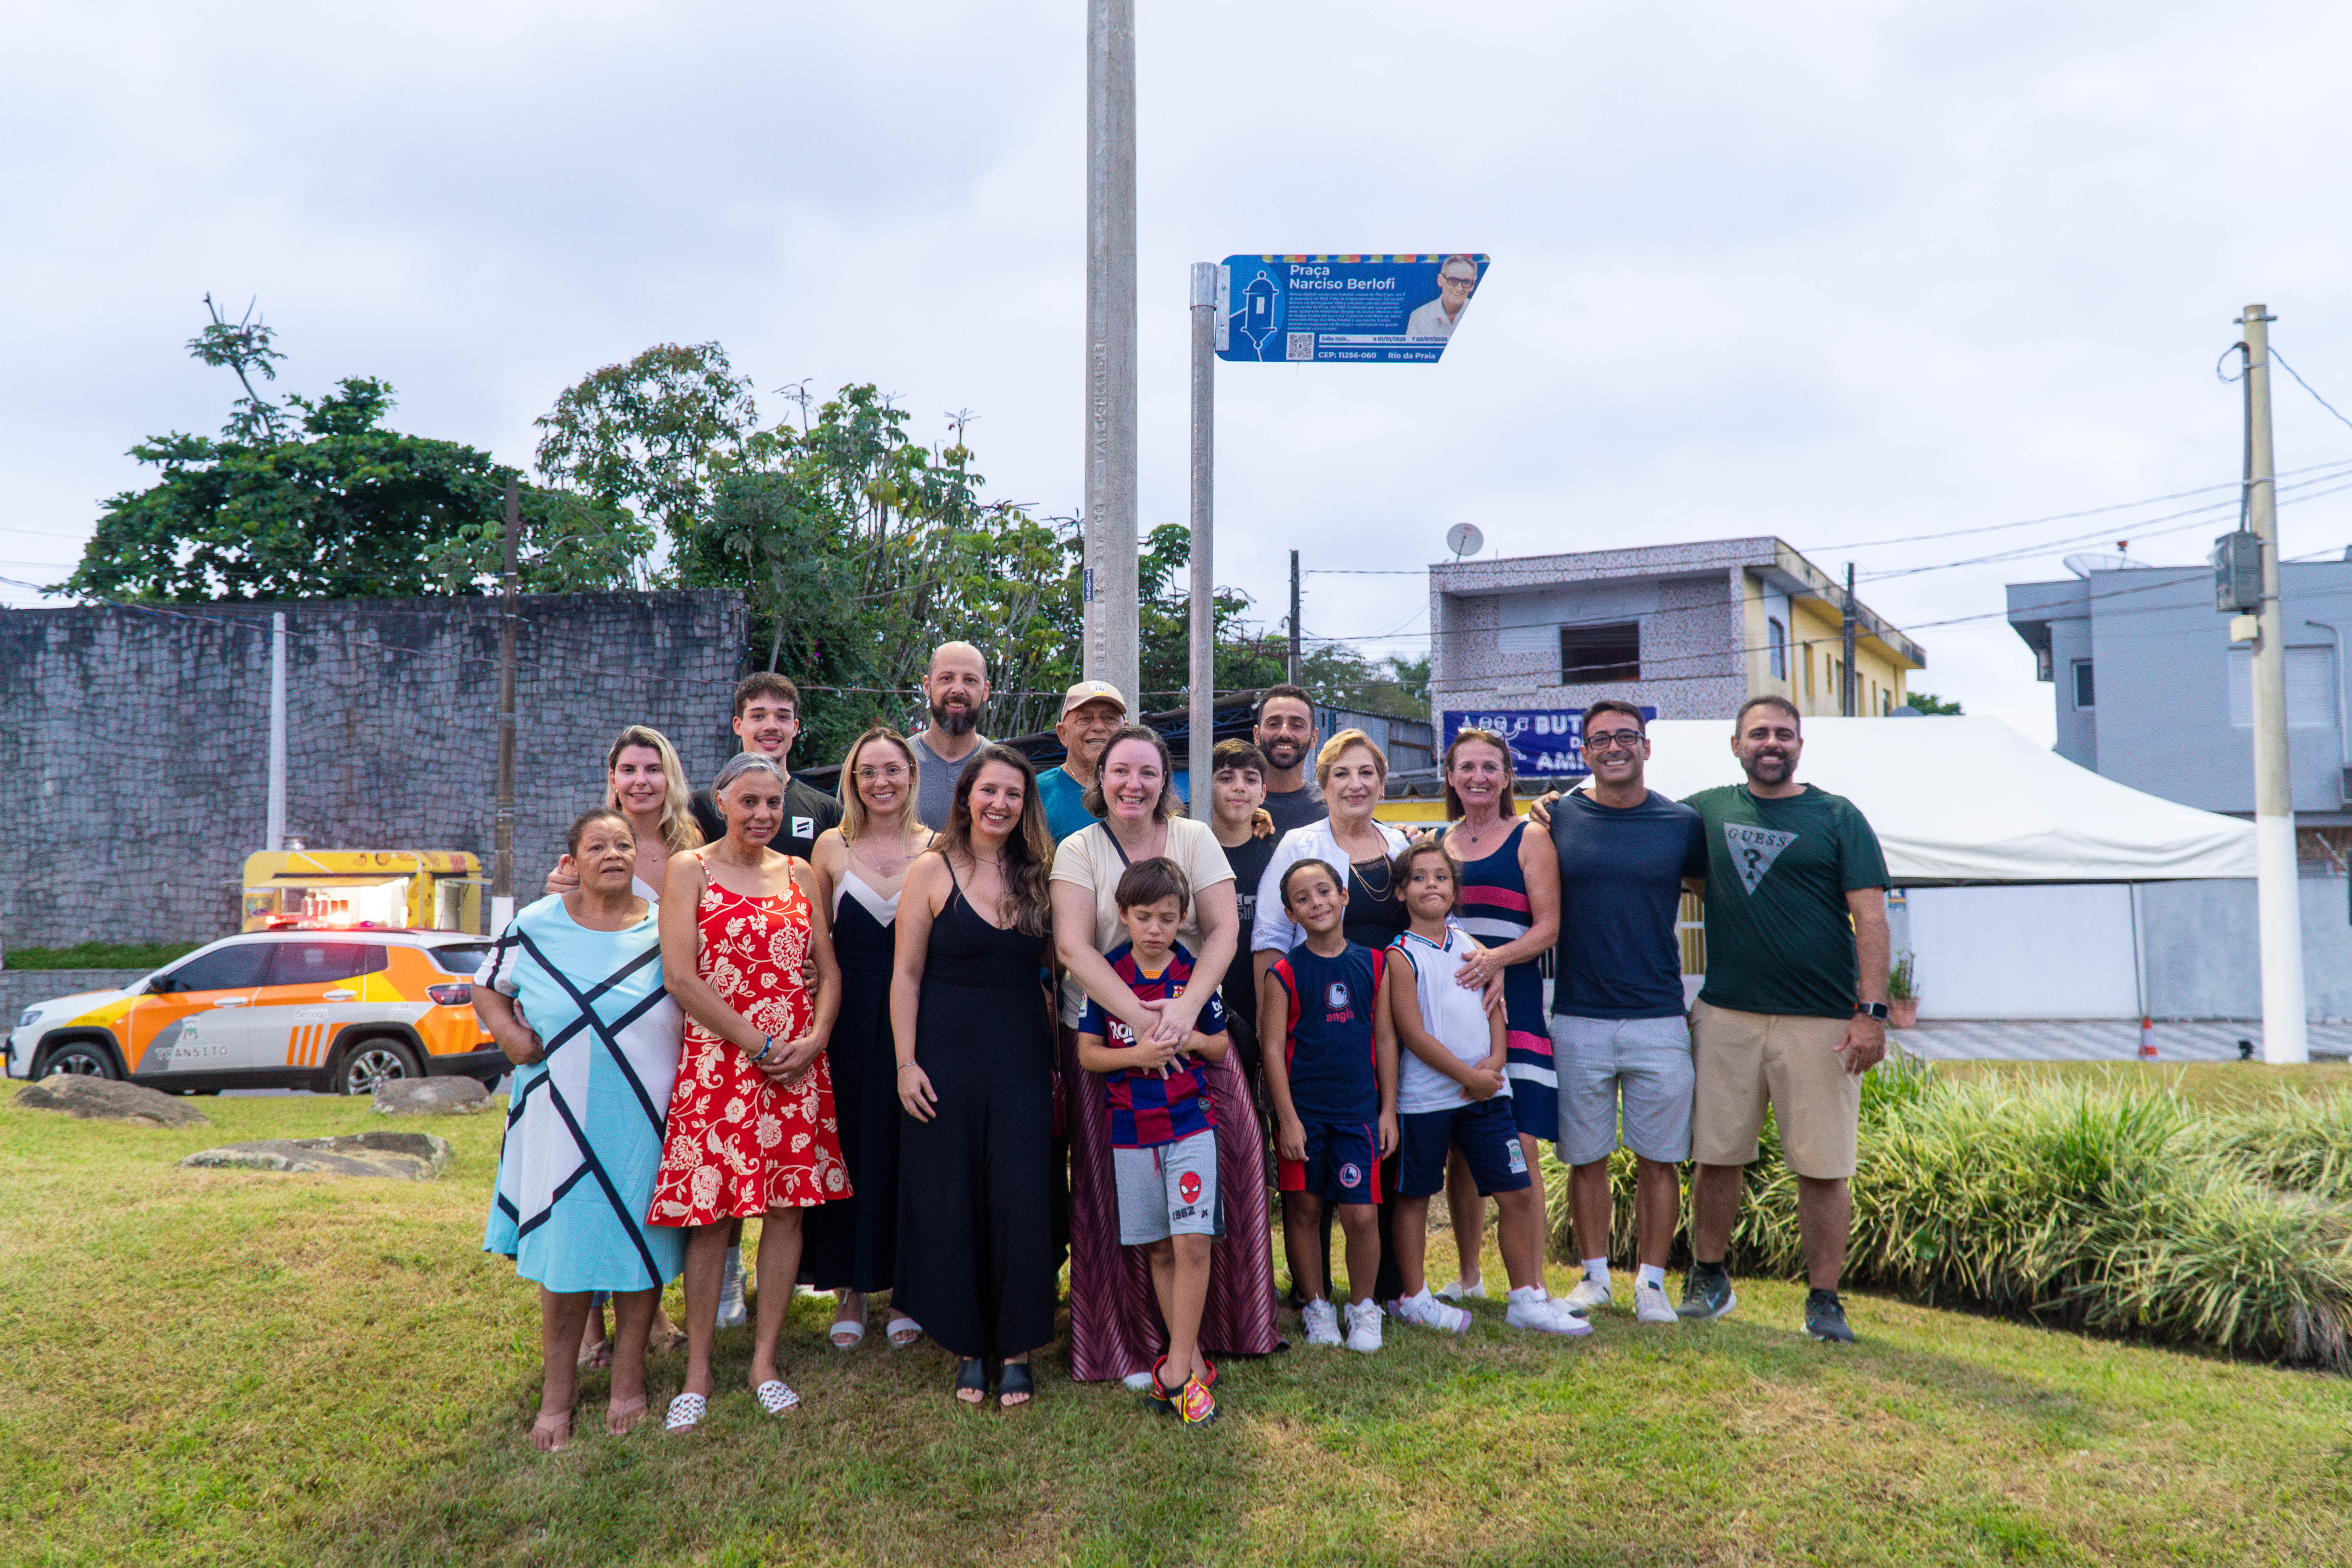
(1687,631)
(2150,692)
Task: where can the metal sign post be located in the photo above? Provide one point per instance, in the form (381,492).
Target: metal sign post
(1204,465)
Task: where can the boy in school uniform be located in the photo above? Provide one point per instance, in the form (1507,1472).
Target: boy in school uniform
(1451,1094)
(1331,1061)
(1162,1127)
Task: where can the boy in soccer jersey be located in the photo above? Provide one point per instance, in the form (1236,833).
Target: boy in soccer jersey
(1333,1081)
(1162,1127)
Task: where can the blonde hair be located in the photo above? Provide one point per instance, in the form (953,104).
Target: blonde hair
(852,803)
(1341,743)
(677,830)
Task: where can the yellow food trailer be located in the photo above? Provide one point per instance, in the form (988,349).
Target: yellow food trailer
(400,889)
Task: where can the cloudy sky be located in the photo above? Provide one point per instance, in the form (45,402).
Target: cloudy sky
(1842,272)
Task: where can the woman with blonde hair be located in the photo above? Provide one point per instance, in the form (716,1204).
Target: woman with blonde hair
(852,1246)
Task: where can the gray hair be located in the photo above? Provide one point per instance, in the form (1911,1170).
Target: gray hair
(743,762)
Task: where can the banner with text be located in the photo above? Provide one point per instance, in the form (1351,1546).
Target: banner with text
(1545,742)
(1371,310)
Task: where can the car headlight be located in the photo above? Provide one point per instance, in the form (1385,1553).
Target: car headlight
(32,1016)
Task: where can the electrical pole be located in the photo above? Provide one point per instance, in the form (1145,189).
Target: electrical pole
(277,730)
(1204,474)
(2285,1037)
(502,878)
(1847,705)
(1292,674)
(1111,635)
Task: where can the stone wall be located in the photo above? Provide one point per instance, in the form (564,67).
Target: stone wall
(134,743)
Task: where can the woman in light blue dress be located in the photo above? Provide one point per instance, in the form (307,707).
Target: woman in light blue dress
(573,993)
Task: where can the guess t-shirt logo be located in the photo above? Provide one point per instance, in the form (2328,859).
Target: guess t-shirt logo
(1753,850)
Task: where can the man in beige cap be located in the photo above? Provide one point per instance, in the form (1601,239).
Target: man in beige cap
(1092,712)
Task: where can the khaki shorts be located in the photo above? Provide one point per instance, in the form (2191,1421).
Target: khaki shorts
(1745,1059)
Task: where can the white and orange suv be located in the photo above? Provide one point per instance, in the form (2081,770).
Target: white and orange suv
(298,1009)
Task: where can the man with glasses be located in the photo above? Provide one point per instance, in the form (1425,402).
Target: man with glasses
(1457,277)
(1092,712)
(1619,1040)
(1794,1008)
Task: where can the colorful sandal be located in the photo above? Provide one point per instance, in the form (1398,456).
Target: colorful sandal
(685,1414)
(774,1397)
(1195,1403)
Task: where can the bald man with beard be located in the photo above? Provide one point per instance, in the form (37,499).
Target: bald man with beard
(956,686)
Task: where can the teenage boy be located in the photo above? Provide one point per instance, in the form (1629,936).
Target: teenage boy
(1793,1011)
(1333,1084)
(768,721)
(1236,795)
(1163,1138)
(1620,1041)
(1092,712)
(956,686)
(1285,735)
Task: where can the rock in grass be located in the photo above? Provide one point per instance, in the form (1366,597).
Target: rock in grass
(111,1099)
(412,1156)
(431,1097)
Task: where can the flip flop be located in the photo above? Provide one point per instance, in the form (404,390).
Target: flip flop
(774,1397)
(847,1333)
(557,1426)
(685,1414)
(904,1331)
(622,1417)
(598,1356)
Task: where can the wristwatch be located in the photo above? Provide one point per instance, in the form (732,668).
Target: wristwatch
(1871,1010)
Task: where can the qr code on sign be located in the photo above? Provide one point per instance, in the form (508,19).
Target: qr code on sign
(1302,345)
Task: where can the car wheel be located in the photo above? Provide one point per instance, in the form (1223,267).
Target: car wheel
(371,1062)
(80,1059)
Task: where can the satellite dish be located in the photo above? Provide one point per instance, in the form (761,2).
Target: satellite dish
(1463,538)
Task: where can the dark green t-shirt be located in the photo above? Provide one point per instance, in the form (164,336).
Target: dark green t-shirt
(1778,937)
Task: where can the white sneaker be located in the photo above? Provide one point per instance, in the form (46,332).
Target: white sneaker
(1651,1305)
(731,1299)
(1456,1291)
(1322,1323)
(1427,1311)
(1364,1326)
(1531,1308)
(1588,1293)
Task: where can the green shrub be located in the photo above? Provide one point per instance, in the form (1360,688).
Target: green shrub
(98,955)
(2110,1207)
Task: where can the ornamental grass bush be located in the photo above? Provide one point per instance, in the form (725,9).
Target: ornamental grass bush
(2114,1208)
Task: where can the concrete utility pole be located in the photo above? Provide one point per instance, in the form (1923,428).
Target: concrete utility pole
(1291,675)
(1204,477)
(2285,1037)
(1846,703)
(1111,633)
(277,730)
(502,877)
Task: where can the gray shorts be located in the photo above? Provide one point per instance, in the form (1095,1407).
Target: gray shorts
(1645,1060)
(1168,1190)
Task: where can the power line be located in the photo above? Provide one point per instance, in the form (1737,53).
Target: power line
(2307,387)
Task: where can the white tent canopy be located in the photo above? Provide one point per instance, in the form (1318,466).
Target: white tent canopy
(1971,800)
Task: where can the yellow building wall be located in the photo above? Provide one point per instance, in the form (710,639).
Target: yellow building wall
(1816,657)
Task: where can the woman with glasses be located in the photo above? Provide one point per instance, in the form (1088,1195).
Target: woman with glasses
(1511,903)
(852,1246)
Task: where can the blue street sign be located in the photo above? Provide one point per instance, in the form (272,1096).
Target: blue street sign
(1545,742)
(1375,310)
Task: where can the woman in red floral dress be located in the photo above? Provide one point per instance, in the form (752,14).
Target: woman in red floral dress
(752,1128)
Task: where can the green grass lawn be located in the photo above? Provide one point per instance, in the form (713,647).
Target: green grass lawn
(217,1367)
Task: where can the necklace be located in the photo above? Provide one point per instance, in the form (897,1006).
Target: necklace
(1378,891)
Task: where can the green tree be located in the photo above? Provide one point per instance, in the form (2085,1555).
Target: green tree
(316,498)
(1933,706)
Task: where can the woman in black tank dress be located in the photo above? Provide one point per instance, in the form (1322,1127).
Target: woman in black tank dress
(976,1055)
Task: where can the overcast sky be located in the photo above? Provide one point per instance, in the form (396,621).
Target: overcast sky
(1837,272)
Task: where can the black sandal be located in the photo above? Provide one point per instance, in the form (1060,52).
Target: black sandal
(971,1375)
(1016,1380)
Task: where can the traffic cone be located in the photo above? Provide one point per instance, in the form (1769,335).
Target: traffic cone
(2147,1039)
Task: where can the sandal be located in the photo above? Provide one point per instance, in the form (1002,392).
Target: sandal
(847,1333)
(622,1417)
(596,1357)
(774,1397)
(555,1426)
(685,1414)
(1016,1388)
(971,1378)
(666,1337)
(904,1331)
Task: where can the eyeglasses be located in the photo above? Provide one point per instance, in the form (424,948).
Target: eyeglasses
(1614,740)
(893,771)
(1452,281)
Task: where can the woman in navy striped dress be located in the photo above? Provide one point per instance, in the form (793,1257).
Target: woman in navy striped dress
(1511,903)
